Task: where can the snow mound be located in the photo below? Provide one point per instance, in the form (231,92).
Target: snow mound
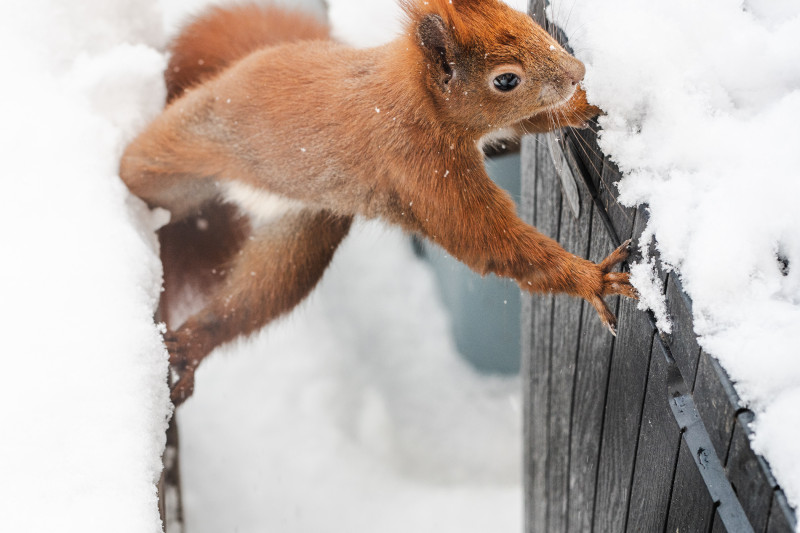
(83,377)
(358,400)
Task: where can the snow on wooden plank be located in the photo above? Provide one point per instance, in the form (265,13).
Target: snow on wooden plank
(620,215)
(682,340)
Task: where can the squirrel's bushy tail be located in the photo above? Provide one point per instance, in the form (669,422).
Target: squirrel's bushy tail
(222,35)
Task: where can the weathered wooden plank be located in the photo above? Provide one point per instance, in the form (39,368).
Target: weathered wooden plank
(591,375)
(527,212)
(597,457)
(527,202)
(682,340)
(548,201)
(574,237)
(691,506)
(718,526)
(657,452)
(702,451)
(713,403)
(781,518)
(624,403)
(623,410)
(586,149)
(747,476)
(548,192)
(621,217)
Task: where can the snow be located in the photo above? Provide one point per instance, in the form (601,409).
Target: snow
(85,403)
(651,292)
(355,412)
(702,101)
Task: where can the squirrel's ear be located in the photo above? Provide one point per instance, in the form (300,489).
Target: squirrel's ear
(437,44)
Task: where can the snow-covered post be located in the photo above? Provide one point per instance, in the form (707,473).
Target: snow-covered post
(641,432)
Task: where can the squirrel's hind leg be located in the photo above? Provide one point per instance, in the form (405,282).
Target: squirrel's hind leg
(276,268)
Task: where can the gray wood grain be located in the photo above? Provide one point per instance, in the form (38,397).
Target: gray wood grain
(621,217)
(623,415)
(591,376)
(691,508)
(682,340)
(547,202)
(781,518)
(718,526)
(527,212)
(623,410)
(566,326)
(657,452)
(527,203)
(587,151)
(714,405)
(749,480)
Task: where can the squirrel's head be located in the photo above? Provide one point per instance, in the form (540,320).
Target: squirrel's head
(487,65)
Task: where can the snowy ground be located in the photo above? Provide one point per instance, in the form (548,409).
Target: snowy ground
(354,414)
(360,415)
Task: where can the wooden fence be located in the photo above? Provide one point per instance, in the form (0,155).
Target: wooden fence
(642,432)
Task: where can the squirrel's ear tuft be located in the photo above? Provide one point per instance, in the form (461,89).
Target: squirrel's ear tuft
(437,43)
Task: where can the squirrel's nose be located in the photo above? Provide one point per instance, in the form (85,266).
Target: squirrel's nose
(575,71)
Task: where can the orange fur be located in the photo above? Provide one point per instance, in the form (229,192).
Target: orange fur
(321,132)
(222,35)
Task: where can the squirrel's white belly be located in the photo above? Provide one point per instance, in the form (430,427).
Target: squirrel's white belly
(263,207)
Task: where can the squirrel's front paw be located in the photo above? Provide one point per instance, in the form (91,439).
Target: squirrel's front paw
(612,283)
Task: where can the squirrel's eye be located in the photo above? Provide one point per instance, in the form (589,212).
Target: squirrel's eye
(506,82)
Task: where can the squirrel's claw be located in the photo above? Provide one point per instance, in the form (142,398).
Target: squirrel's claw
(606,316)
(613,283)
(617,256)
(183,387)
(182,367)
(617,282)
(177,355)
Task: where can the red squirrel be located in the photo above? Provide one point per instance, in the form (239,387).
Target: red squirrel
(275,137)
